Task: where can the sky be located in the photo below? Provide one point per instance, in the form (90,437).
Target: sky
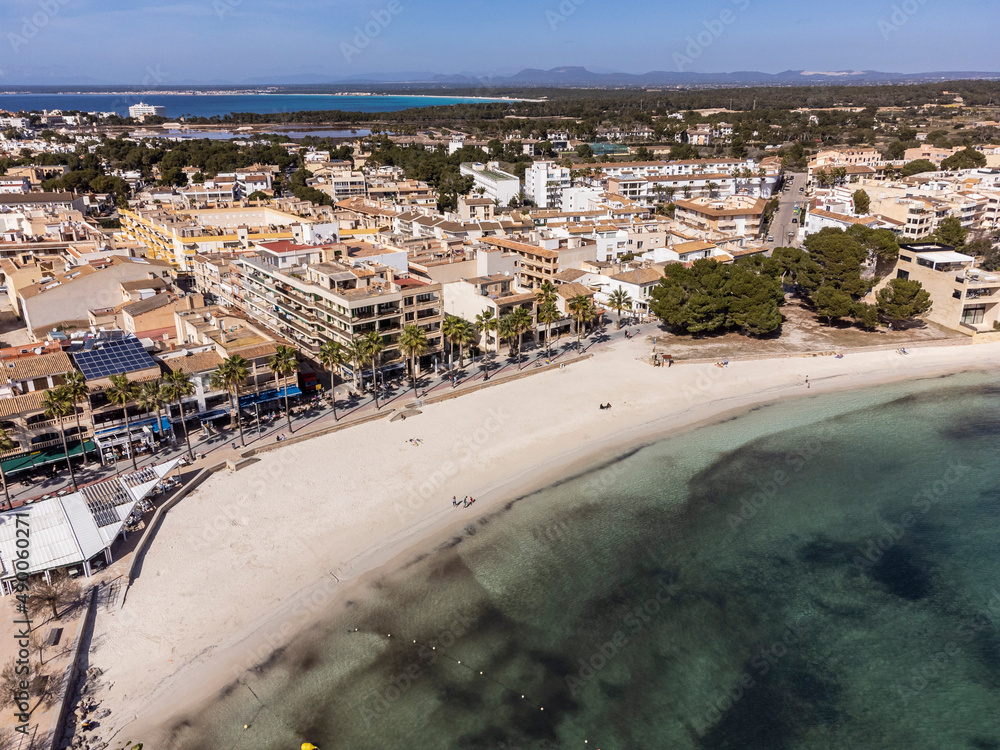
(177,42)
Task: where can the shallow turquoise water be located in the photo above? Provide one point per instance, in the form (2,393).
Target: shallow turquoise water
(821,573)
(209,105)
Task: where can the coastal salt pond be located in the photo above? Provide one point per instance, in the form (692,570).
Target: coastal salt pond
(817,573)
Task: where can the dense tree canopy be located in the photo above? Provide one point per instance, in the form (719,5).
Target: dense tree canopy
(951,232)
(918,166)
(710,297)
(902,299)
(967,158)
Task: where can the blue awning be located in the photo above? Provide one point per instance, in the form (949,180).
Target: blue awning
(272,395)
(162,424)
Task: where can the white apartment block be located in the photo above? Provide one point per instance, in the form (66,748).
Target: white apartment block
(545,182)
(496,184)
(10,185)
(143,110)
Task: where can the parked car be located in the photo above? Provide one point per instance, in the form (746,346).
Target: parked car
(770,238)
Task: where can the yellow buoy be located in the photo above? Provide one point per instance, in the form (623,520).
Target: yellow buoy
(309,746)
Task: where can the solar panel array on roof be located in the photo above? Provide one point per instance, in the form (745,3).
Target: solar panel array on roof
(114,358)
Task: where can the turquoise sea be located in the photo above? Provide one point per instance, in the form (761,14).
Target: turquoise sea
(209,105)
(817,573)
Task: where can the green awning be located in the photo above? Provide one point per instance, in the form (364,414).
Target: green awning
(17,464)
(46,456)
(55,453)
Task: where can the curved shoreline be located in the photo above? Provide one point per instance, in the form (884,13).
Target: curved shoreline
(709,399)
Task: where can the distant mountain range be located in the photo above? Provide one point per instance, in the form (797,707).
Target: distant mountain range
(562,77)
(578,77)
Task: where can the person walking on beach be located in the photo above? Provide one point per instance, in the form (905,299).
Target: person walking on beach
(807,383)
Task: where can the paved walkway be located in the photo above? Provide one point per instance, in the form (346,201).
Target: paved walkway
(218,447)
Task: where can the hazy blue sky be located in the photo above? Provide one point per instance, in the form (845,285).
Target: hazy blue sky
(181,41)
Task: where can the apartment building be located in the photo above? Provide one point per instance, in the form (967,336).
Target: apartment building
(669,168)
(538,263)
(341,184)
(929,153)
(342,301)
(916,217)
(14,185)
(839,157)
(544,183)
(66,299)
(496,293)
(734,216)
(965,298)
(142,110)
(494,183)
(176,235)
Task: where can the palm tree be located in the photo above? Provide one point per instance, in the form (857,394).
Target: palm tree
(332,356)
(546,292)
(620,300)
(177,386)
(450,328)
(486,321)
(150,397)
(230,376)
(75,387)
(358,356)
(521,323)
(57,406)
(374,344)
(548,313)
(465,334)
(413,343)
(712,187)
(582,310)
(505,332)
(6,444)
(122,391)
(285,362)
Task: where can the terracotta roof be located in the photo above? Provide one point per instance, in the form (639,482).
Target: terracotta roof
(572,289)
(57,280)
(639,276)
(519,247)
(842,217)
(757,208)
(38,198)
(569,275)
(286,246)
(149,304)
(692,247)
(15,405)
(155,283)
(256,351)
(195,363)
(28,368)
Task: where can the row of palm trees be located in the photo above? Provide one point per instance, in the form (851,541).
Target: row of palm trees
(512,326)
(62,401)
(365,350)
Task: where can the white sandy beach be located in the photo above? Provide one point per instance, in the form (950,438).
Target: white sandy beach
(249,558)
